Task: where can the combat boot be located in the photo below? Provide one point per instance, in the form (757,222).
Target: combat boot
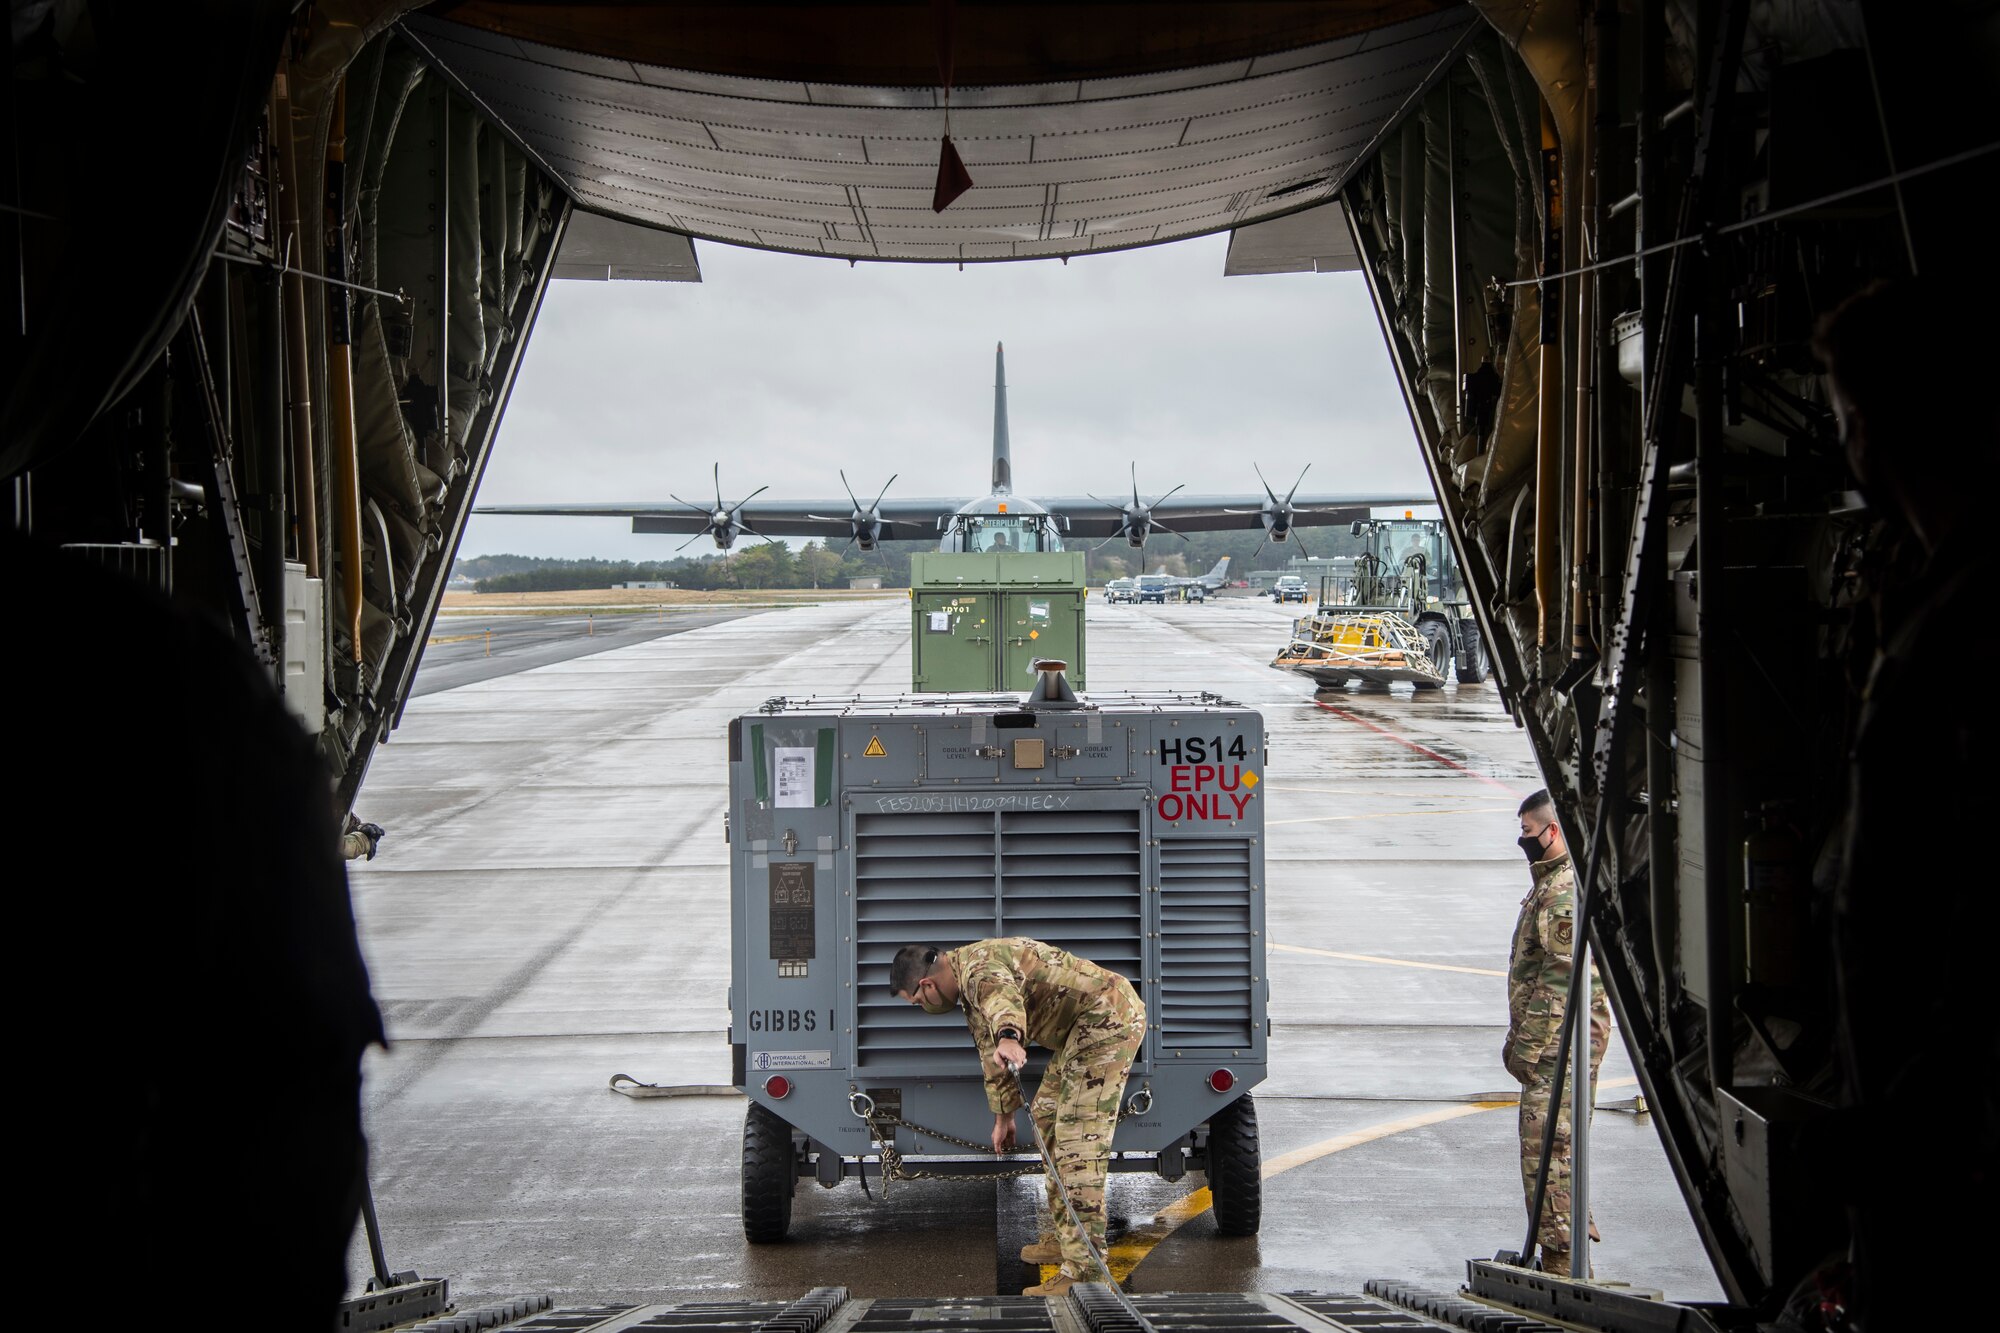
(1042,1252)
(1055,1286)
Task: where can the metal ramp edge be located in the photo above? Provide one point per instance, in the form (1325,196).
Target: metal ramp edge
(1455,1310)
(1087,1308)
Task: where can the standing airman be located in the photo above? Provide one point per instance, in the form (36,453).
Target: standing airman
(1537,990)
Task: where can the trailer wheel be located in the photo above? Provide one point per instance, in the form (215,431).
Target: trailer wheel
(1236,1168)
(1472,667)
(768,1176)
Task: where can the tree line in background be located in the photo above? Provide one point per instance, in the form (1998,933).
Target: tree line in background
(816,565)
(752,565)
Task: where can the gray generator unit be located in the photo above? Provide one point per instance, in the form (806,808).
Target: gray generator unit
(1125,828)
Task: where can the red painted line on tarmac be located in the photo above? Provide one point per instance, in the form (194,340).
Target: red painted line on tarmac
(1423,750)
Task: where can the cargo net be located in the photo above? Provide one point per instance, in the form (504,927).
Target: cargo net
(1364,628)
(1333,646)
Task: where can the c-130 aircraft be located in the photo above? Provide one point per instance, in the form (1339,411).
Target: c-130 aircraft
(999,521)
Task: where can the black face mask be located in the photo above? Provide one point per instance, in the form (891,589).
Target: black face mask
(1532,846)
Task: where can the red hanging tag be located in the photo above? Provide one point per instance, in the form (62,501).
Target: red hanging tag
(953,179)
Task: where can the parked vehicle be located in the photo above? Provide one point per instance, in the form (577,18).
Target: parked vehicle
(1410,568)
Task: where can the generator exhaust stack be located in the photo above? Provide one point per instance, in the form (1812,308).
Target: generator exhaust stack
(1052,686)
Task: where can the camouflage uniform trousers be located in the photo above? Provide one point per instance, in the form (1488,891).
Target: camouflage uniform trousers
(1554,1234)
(1076,1109)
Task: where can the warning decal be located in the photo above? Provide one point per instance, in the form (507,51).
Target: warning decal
(875,750)
(794,922)
(1206,779)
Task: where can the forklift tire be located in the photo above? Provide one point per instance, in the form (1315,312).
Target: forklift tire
(1472,667)
(1437,646)
(1236,1169)
(768,1176)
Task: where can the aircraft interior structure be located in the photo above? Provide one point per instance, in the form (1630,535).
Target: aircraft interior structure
(1598,235)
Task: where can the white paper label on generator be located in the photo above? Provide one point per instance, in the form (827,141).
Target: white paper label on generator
(940,622)
(763,1060)
(1038,610)
(794,765)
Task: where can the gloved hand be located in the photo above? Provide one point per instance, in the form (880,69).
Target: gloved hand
(374,833)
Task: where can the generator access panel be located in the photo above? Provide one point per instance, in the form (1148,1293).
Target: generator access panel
(1128,830)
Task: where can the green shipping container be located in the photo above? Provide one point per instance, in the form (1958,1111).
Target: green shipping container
(979,622)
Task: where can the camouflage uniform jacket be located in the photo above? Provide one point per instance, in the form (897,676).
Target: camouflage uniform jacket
(1034,988)
(1538,972)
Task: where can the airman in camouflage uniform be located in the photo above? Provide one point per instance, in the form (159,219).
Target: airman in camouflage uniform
(1537,990)
(1018,990)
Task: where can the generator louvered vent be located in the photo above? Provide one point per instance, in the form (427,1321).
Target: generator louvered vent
(1207,953)
(1073,878)
(917,877)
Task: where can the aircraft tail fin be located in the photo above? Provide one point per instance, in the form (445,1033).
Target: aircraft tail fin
(1003,463)
(1221,570)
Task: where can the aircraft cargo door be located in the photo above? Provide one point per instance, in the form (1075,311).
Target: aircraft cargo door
(1041,624)
(951,641)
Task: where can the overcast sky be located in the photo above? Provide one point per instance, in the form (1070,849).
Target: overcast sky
(786,369)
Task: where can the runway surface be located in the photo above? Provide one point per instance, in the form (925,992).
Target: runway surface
(466,649)
(551,908)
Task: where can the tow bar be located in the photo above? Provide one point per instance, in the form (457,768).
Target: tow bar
(1049,1165)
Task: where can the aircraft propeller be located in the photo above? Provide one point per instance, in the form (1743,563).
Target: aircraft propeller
(725,522)
(1137,521)
(865,523)
(1279,515)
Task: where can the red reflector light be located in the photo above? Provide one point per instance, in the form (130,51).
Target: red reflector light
(777,1086)
(1222,1080)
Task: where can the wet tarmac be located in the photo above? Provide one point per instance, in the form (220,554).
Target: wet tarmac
(466,649)
(551,908)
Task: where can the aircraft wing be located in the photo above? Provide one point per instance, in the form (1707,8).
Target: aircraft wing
(902,520)
(1085,517)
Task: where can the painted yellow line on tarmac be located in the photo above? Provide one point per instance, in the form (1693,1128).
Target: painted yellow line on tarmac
(450,638)
(1388,962)
(1131,1249)
(1394,814)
